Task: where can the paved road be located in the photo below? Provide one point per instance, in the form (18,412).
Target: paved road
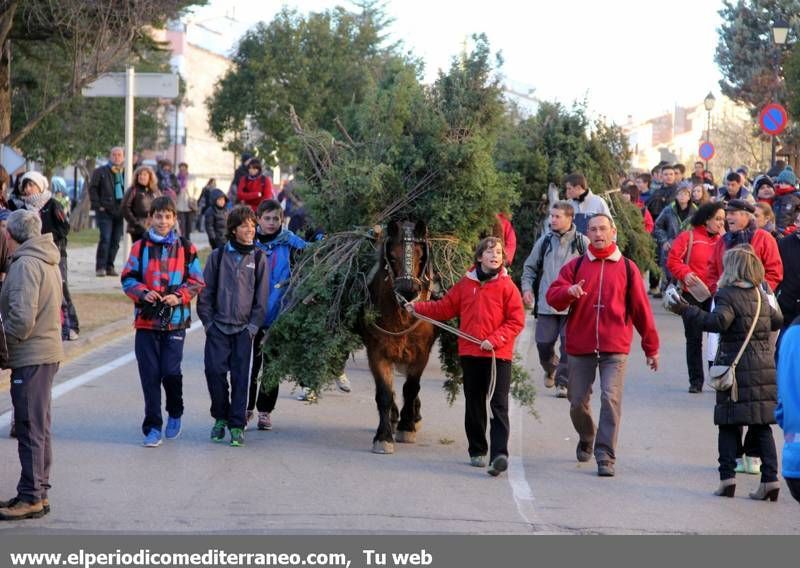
(314,472)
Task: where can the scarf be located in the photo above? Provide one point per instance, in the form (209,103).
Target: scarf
(36,201)
(602,254)
(264,238)
(119,182)
(166,240)
(242,248)
(484,276)
(742,237)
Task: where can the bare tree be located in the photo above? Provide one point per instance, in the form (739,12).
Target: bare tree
(95,35)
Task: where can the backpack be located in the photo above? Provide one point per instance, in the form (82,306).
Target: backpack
(577,245)
(628,282)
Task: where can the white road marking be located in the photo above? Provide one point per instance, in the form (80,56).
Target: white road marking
(63,388)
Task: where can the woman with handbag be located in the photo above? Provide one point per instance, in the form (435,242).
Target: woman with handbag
(744,370)
(688,263)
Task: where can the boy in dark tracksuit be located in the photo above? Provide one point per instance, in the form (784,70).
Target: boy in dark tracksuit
(232,308)
(215,215)
(162,276)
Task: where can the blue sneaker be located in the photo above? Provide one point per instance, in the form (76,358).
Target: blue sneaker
(153,439)
(173,428)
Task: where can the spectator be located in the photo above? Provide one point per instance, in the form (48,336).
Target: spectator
(255,187)
(765,219)
(764,190)
(203,203)
(167,180)
(603,291)
(739,305)
(742,230)
(187,200)
(630,193)
(278,244)
(663,195)
(489,307)
(688,261)
(232,307)
(734,189)
(240,173)
(216,215)
(787,201)
(787,413)
(162,276)
(106,189)
(35,196)
(673,220)
(30,303)
(59,188)
(700,194)
(138,200)
(642,182)
(698,173)
(788,292)
(680,173)
(551,251)
(585,203)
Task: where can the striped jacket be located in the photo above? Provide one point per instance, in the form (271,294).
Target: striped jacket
(170,267)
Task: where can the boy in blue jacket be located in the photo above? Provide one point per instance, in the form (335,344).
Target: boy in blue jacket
(162,276)
(233,307)
(278,244)
(787,414)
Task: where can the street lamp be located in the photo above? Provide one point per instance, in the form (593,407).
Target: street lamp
(780,32)
(708,103)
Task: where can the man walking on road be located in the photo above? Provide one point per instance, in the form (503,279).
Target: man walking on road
(30,303)
(585,203)
(550,253)
(606,297)
(106,189)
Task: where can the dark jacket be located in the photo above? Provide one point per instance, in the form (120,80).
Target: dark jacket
(136,209)
(237,288)
(788,292)
(669,224)
(732,317)
(215,219)
(101,191)
(786,206)
(660,198)
(54,221)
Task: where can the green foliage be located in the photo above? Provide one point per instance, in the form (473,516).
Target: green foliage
(632,239)
(746,53)
(320,63)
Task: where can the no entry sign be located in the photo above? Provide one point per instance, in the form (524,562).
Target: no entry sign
(773,119)
(706,151)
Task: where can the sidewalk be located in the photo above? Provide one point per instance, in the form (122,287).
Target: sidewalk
(82,280)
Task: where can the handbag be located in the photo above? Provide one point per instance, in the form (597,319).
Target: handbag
(674,288)
(723,377)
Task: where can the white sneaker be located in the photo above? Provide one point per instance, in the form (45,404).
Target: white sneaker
(307,395)
(343,383)
(561,391)
(73,335)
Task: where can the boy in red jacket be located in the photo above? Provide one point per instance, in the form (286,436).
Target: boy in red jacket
(490,309)
(255,187)
(607,299)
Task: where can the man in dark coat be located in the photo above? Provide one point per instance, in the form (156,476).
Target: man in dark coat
(106,189)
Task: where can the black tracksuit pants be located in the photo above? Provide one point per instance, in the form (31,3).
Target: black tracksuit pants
(228,353)
(477,376)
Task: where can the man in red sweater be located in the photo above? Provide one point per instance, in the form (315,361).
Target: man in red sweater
(740,215)
(607,299)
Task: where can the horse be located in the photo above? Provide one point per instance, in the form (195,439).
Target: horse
(395,339)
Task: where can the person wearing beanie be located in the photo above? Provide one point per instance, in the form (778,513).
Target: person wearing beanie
(786,204)
(59,188)
(35,195)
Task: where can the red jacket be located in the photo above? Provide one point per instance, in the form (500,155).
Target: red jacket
(490,310)
(702,249)
(509,238)
(252,191)
(597,322)
(765,247)
(649,224)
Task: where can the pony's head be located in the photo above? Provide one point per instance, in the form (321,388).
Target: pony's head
(406,255)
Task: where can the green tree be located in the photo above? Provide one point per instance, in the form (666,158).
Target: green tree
(320,64)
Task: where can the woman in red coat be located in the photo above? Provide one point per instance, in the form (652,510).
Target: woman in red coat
(254,187)
(490,309)
(689,261)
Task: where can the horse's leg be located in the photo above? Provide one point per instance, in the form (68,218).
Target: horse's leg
(395,416)
(410,414)
(383,442)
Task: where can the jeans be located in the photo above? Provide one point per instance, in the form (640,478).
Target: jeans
(730,438)
(110,227)
(694,343)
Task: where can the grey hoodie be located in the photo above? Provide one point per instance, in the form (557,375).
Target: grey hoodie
(30,302)
(561,251)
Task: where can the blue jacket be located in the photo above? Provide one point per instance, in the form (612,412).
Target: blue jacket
(278,253)
(787,414)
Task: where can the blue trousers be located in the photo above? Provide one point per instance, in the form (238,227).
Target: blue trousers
(159,355)
(223,354)
(110,227)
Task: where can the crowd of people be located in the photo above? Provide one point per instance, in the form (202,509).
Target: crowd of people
(729,259)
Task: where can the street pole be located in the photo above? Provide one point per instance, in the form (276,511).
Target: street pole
(175,143)
(129,90)
(708,131)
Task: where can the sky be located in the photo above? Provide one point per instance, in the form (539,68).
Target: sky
(625,57)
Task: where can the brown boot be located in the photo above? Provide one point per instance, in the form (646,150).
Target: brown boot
(19,510)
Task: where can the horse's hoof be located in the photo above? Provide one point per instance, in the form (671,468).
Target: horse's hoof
(379,447)
(405,437)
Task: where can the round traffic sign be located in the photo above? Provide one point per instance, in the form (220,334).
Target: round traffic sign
(773,119)
(706,151)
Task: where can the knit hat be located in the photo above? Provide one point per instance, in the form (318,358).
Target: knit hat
(761,181)
(787,176)
(57,184)
(38,179)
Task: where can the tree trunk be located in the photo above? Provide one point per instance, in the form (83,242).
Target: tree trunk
(6,19)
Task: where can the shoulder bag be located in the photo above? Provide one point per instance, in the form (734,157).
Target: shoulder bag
(723,377)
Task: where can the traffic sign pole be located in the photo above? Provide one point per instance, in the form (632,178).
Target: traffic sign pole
(130,86)
(773,120)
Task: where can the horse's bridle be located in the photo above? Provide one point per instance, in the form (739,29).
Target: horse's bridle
(409,240)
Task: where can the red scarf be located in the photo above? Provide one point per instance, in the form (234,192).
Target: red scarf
(603,253)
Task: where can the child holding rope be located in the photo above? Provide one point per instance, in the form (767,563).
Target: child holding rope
(492,316)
